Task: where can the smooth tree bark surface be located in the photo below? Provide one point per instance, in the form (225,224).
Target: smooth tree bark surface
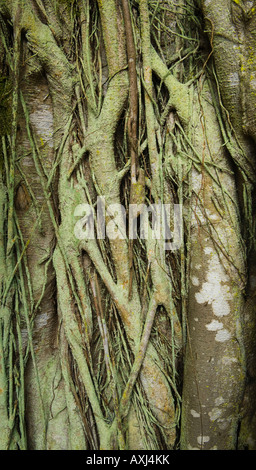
(108,342)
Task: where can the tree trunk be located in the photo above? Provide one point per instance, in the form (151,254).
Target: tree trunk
(110,110)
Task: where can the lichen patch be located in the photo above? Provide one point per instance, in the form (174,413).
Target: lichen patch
(215,290)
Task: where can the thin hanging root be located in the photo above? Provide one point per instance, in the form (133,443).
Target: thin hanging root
(74,338)
(84,306)
(98,308)
(21,390)
(22,254)
(139,357)
(71,392)
(31,193)
(130,255)
(132,121)
(31,346)
(110,365)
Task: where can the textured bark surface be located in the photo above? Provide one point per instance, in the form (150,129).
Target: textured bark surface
(104,343)
(214,373)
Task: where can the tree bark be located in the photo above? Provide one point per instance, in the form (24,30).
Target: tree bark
(110,343)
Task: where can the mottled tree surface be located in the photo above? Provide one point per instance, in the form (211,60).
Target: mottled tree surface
(111,343)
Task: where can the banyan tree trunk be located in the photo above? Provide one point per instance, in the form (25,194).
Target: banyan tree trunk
(111,342)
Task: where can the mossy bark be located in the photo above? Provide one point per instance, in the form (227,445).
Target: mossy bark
(87,363)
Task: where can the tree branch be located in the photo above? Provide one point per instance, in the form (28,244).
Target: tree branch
(179,93)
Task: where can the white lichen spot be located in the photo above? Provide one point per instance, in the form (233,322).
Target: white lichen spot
(195,281)
(234,79)
(222,336)
(215,325)
(195,414)
(227,360)
(198,266)
(215,414)
(219,401)
(190,447)
(196,319)
(214,291)
(203,439)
